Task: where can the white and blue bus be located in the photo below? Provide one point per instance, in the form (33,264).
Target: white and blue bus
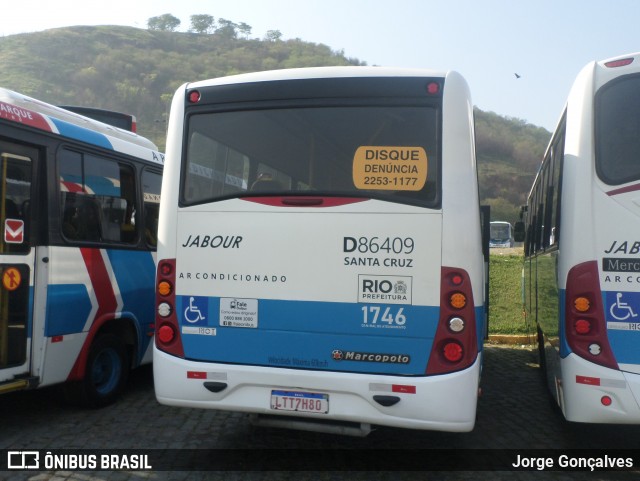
(582,248)
(501,234)
(320,258)
(79,205)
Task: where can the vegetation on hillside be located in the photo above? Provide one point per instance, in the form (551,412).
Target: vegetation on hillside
(137,71)
(509,152)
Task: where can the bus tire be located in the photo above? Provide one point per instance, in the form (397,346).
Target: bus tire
(106,372)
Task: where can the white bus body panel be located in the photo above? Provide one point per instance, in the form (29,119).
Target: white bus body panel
(623,389)
(447,405)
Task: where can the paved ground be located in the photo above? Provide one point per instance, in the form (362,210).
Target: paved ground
(514,413)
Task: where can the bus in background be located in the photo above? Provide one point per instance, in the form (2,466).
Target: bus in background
(501,234)
(320,259)
(581,228)
(79,206)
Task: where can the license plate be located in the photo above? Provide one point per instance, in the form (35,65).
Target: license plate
(306,402)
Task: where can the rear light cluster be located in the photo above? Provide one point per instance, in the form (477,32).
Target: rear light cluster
(585,324)
(167,327)
(455,345)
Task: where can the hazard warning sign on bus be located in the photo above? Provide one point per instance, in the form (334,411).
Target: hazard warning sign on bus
(11,279)
(14,231)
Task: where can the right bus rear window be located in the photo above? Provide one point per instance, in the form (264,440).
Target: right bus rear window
(618,131)
(387,152)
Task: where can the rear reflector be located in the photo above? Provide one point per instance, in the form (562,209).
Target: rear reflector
(591,381)
(403,388)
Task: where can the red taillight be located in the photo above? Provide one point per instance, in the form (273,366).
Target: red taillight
(165,269)
(452,351)
(167,327)
(455,345)
(619,63)
(166,334)
(606,401)
(585,325)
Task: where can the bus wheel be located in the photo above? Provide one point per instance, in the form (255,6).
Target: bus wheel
(106,373)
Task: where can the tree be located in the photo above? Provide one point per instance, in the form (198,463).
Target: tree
(503,210)
(202,23)
(226,28)
(273,35)
(244,29)
(166,23)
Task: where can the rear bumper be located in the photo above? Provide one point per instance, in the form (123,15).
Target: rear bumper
(442,403)
(583,386)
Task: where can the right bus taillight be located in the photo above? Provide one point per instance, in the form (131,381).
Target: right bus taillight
(167,336)
(585,325)
(455,345)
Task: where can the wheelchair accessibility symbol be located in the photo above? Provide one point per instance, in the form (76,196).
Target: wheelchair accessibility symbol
(621,310)
(195,311)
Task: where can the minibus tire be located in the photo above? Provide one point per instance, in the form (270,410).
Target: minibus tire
(106,372)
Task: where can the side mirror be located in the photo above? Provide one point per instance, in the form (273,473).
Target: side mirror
(518,231)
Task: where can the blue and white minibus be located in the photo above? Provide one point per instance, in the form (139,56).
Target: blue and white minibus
(320,259)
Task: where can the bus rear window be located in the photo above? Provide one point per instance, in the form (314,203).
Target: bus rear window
(618,131)
(385,152)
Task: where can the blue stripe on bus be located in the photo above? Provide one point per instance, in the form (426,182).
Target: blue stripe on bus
(624,345)
(60,318)
(135,276)
(311,334)
(80,133)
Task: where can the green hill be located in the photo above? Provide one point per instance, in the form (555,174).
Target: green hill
(137,71)
(508,152)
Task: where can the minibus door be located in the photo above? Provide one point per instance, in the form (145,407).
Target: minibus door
(16,266)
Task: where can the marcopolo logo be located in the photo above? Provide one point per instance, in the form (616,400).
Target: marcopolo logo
(339,355)
(385,289)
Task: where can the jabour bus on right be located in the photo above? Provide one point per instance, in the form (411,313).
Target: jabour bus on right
(582,248)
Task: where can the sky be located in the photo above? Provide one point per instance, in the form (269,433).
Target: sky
(546,42)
